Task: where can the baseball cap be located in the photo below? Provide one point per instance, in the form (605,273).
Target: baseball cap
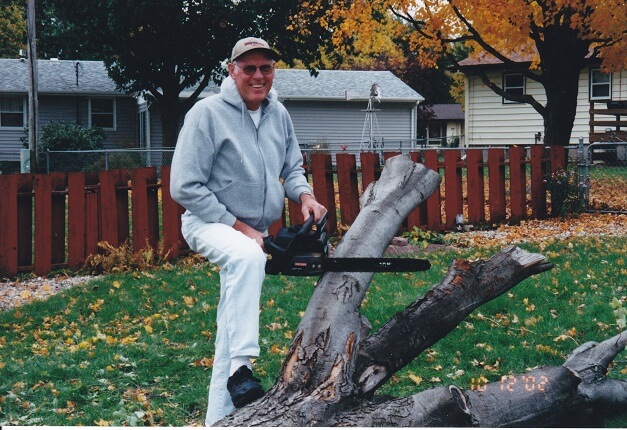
(248,44)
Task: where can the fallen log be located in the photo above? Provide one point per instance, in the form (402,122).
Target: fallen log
(334,366)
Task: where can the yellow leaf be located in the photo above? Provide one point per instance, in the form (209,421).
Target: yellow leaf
(117,284)
(46,287)
(102,423)
(416,379)
(276,349)
(148,328)
(189,301)
(25,294)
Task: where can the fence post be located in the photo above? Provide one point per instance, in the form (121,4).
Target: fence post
(475,186)
(496,188)
(347,187)
(8,225)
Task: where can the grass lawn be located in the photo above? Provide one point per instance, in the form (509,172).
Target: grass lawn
(136,348)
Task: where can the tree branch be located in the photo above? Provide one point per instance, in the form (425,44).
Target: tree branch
(465,287)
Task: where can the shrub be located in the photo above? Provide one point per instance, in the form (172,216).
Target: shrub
(70,136)
(567,196)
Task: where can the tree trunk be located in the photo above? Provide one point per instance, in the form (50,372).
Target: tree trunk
(334,366)
(562,56)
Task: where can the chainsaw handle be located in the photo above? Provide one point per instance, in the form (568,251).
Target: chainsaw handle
(306,227)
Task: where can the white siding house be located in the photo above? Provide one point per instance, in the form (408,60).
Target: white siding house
(491,120)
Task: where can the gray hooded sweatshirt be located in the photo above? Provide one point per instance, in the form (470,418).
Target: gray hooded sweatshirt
(224,168)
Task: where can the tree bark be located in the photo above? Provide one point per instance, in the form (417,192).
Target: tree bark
(333,367)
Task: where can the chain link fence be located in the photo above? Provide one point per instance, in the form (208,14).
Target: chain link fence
(604,169)
(107,159)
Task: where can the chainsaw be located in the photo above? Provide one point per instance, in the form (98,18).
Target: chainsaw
(302,250)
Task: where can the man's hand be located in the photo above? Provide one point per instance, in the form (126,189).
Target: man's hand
(309,205)
(249,231)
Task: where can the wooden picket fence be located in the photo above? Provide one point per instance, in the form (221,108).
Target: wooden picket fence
(56,220)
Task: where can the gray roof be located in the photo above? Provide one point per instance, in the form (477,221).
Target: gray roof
(296,84)
(66,77)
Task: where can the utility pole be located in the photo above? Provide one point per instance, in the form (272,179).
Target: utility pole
(33,104)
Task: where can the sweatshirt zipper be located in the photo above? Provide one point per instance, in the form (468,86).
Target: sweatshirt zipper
(263,163)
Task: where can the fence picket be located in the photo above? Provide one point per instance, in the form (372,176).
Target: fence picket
(518,184)
(324,186)
(496,185)
(144,202)
(8,225)
(475,186)
(453,192)
(347,187)
(434,202)
(538,185)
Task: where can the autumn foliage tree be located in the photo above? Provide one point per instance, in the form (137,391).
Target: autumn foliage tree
(549,41)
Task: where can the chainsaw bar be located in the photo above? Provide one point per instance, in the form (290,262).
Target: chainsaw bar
(315,265)
(331,264)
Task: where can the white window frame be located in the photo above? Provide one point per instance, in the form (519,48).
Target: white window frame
(24,115)
(508,88)
(594,85)
(114,113)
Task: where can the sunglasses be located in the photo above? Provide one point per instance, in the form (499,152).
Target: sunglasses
(250,70)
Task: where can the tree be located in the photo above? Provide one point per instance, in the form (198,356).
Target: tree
(335,365)
(12,29)
(162,48)
(555,38)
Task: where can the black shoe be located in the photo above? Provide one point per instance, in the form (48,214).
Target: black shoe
(243,387)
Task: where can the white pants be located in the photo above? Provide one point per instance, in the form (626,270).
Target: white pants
(242,271)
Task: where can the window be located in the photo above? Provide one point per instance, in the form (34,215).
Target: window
(600,85)
(102,113)
(11,112)
(513,83)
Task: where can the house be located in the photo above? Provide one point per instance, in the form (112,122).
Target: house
(492,120)
(446,127)
(79,91)
(328,110)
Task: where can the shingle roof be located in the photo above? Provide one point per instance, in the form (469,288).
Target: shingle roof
(57,77)
(296,84)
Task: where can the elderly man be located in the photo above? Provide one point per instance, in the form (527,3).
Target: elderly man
(235,161)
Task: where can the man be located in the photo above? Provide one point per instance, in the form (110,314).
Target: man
(235,161)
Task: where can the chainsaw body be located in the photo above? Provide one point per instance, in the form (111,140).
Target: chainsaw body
(298,250)
(301,250)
